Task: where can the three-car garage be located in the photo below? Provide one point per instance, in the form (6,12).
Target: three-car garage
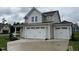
(58,31)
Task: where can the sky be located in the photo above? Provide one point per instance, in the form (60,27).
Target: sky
(16,14)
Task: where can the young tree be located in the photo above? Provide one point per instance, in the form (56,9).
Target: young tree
(3,20)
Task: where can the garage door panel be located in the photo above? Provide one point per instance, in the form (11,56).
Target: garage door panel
(36,33)
(61,33)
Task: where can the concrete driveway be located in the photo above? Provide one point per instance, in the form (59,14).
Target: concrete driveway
(38,45)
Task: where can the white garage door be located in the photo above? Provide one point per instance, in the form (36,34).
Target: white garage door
(36,32)
(61,33)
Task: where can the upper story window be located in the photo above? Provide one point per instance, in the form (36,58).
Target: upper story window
(32,19)
(36,18)
(49,17)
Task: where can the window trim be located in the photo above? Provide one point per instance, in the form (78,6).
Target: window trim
(64,27)
(37,27)
(57,28)
(32,27)
(32,19)
(49,17)
(36,18)
(28,27)
(42,27)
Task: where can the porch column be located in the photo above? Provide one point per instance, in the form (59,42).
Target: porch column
(15,32)
(25,32)
(49,32)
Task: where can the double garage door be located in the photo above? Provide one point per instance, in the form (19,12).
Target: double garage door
(36,32)
(61,33)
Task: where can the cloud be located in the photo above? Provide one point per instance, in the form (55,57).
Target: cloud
(25,9)
(66,13)
(69,13)
(11,14)
(4,11)
(16,14)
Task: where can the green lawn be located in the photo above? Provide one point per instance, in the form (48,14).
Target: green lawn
(76,35)
(3,41)
(75,44)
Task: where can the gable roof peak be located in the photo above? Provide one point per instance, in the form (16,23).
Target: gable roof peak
(33,8)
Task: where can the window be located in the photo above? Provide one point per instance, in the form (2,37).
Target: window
(49,17)
(28,27)
(32,19)
(32,27)
(64,27)
(35,18)
(37,27)
(57,28)
(42,27)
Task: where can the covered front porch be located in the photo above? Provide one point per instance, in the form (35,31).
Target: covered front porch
(18,32)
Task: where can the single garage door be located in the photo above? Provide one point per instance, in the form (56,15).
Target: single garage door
(61,32)
(36,32)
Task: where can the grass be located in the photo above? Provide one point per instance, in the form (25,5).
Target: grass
(76,35)
(3,41)
(75,44)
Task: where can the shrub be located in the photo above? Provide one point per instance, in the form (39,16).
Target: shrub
(5,31)
(0,49)
(12,38)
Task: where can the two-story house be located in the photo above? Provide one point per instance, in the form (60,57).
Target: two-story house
(45,25)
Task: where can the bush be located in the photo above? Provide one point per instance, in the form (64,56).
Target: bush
(5,31)
(12,38)
(0,49)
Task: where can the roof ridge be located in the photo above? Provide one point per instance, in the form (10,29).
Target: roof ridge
(50,11)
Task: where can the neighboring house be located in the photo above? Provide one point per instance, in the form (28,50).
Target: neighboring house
(4,28)
(45,25)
